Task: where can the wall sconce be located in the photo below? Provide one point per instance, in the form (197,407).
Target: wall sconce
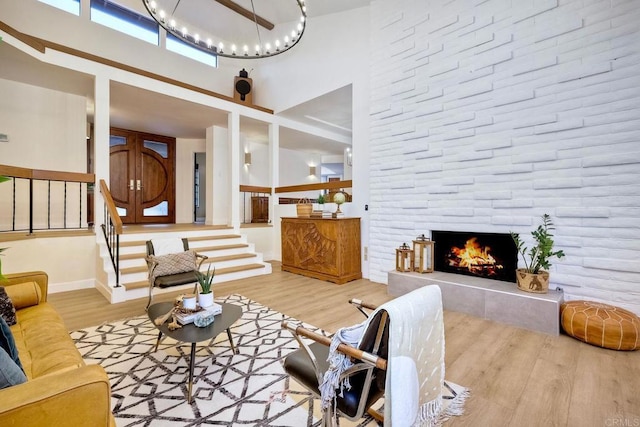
(247,159)
(349,157)
(312,170)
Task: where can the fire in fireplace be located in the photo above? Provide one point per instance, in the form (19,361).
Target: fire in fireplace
(489,255)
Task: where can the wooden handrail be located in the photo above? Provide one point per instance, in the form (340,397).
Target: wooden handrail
(111,207)
(331,185)
(254,189)
(46,175)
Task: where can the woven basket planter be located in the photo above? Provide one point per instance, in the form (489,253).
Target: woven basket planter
(304,209)
(529,282)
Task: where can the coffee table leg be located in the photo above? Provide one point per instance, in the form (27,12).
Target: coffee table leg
(233,347)
(159,338)
(191,365)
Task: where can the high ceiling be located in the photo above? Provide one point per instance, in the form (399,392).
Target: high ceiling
(138,109)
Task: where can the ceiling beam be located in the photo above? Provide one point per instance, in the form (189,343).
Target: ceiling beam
(246,13)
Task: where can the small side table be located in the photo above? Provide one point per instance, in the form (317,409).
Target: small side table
(193,334)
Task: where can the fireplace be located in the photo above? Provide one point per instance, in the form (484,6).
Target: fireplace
(488,255)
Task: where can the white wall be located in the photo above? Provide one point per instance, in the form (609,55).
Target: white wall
(46,128)
(330,55)
(36,19)
(486,115)
(185,170)
(69,261)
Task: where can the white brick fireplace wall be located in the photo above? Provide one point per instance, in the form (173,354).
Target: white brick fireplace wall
(486,114)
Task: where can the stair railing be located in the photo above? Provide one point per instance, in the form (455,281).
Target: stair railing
(45,200)
(112,229)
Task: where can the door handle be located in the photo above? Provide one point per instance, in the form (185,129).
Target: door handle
(131,187)
(139,185)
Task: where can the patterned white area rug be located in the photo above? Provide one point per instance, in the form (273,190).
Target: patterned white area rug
(247,389)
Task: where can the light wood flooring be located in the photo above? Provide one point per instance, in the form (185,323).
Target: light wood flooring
(516,377)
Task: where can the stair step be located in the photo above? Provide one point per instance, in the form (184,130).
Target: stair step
(220,237)
(213,259)
(141,255)
(219,271)
(210,260)
(191,239)
(220,247)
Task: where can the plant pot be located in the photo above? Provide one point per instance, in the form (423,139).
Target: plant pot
(205,300)
(189,301)
(530,282)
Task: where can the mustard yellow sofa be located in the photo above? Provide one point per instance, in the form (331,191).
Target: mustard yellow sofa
(61,390)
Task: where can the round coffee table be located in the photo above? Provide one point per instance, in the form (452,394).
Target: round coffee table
(193,334)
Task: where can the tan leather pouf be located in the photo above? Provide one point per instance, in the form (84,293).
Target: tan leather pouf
(601,324)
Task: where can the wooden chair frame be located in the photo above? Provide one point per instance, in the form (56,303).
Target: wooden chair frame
(151,264)
(364,361)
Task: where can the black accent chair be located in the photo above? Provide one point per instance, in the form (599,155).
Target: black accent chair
(172,279)
(367,376)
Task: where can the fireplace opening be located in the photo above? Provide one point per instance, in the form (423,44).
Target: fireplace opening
(488,255)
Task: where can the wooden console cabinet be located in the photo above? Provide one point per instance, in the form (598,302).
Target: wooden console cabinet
(322,248)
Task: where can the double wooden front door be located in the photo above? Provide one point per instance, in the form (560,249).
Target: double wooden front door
(142,178)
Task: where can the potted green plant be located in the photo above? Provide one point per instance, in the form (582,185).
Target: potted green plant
(535,276)
(205,280)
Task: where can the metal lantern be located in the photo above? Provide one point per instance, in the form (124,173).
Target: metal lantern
(423,253)
(404,258)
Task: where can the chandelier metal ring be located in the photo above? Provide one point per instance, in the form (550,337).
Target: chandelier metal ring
(179,30)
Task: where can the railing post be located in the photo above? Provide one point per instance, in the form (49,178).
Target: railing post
(30,205)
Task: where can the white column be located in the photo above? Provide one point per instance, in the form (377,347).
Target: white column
(274,165)
(209,177)
(85,9)
(101,134)
(234,157)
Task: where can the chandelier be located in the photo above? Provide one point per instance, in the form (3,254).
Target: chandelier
(237,29)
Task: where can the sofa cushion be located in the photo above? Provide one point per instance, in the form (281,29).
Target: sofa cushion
(10,372)
(7,310)
(24,294)
(43,342)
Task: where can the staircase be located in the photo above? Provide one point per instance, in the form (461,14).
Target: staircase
(230,253)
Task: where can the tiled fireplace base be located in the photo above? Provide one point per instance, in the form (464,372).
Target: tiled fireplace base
(490,299)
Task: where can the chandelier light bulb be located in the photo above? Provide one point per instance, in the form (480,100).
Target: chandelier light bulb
(257,49)
(162,15)
(209,43)
(172,24)
(153,6)
(197,38)
(233,49)
(220,47)
(286,41)
(184,32)
(301,19)
(268,48)
(277,45)
(299,28)
(245,48)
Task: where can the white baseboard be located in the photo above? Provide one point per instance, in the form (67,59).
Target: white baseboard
(55,288)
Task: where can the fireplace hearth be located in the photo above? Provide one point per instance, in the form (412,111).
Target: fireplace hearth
(487,255)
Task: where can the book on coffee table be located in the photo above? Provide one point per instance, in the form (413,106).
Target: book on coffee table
(186,318)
